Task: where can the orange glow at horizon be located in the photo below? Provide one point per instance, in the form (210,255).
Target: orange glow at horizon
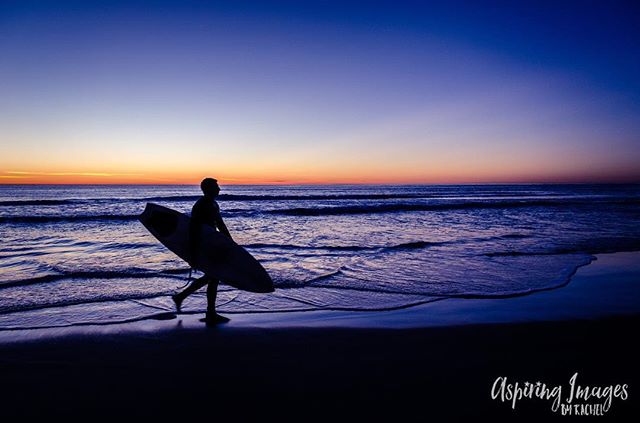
(312,176)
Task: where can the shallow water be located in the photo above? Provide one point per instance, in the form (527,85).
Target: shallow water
(77,254)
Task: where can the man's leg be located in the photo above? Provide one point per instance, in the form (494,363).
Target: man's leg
(212,293)
(193,287)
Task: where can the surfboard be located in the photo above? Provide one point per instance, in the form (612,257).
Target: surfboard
(217,255)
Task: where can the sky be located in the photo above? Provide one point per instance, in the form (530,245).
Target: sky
(319,92)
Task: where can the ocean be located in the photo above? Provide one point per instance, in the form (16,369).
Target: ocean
(76,254)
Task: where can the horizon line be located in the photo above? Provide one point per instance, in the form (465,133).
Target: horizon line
(335,183)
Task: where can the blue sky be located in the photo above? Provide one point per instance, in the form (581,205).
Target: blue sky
(429,92)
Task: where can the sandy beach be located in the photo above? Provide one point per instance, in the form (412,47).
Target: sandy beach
(439,359)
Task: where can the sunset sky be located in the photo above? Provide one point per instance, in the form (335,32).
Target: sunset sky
(319,92)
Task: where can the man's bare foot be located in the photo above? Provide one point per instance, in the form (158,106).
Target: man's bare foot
(215,319)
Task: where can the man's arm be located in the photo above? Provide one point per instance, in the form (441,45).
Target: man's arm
(221,226)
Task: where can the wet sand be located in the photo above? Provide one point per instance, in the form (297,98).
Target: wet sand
(438,360)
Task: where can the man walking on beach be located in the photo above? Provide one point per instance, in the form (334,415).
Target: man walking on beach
(204,212)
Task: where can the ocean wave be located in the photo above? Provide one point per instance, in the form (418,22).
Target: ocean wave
(592,248)
(36,202)
(410,207)
(312,211)
(96,274)
(295,197)
(72,302)
(68,218)
(311,197)
(401,246)
(170,198)
(221,197)
(289,197)
(405,245)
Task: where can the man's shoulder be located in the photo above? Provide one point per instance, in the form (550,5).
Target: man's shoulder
(199,202)
(203,204)
(199,205)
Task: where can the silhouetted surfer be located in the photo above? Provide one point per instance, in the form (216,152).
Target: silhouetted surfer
(205,212)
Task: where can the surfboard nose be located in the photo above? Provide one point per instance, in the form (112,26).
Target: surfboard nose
(156,219)
(142,217)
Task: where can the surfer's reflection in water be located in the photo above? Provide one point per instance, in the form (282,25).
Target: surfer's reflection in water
(205,212)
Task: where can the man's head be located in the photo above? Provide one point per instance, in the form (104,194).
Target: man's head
(210,187)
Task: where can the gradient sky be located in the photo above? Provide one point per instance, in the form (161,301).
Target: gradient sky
(309,92)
